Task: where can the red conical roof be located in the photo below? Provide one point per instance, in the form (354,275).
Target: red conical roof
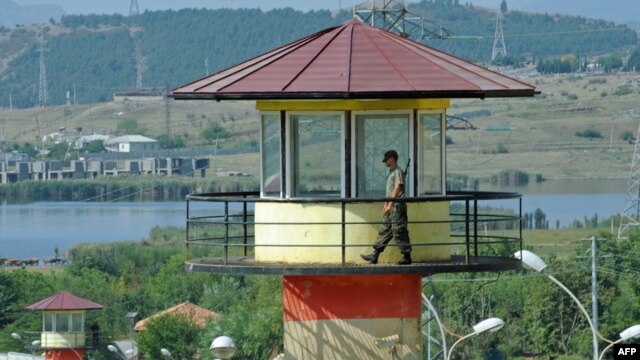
(354,60)
(64,301)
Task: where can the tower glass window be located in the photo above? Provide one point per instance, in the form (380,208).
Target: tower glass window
(271,156)
(48,322)
(375,134)
(62,322)
(431,145)
(316,151)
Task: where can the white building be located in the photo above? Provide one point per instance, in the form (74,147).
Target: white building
(131,143)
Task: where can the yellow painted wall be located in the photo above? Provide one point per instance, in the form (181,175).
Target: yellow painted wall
(54,340)
(268,233)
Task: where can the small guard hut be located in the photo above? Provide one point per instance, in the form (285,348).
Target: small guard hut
(331,104)
(63,325)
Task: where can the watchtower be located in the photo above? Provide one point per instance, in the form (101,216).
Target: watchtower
(63,325)
(330,105)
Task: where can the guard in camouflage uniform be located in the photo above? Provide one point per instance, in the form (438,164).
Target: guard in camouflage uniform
(394,220)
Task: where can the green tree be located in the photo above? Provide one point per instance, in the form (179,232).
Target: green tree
(633,63)
(128,125)
(95,146)
(174,332)
(215,131)
(503,7)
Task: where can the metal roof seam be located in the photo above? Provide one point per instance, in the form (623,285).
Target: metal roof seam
(272,57)
(388,60)
(403,44)
(340,30)
(418,45)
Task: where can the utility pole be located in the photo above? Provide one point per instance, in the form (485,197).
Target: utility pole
(594,288)
(167,111)
(629,217)
(74,95)
(42,88)
(133,8)
(206,66)
(499,46)
(10,103)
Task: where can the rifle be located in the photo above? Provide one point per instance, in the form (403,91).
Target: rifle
(406,169)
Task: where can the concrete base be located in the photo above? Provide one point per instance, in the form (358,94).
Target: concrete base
(64,354)
(341,317)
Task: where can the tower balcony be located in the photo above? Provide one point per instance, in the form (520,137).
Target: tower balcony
(242,233)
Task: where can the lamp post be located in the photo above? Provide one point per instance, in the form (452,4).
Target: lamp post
(491,325)
(31,347)
(223,347)
(629,333)
(114,349)
(432,309)
(534,262)
(166,353)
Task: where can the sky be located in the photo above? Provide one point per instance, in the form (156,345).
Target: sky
(607,9)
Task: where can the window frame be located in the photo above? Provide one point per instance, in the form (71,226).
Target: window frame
(289,194)
(278,116)
(443,148)
(409,183)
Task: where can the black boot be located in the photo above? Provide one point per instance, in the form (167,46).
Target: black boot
(371,258)
(406,260)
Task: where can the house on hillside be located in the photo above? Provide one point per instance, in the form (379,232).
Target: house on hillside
(195,314)
(131,143)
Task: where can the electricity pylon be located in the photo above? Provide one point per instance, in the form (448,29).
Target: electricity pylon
(499,46)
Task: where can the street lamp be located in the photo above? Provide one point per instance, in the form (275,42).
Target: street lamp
(534,262)
(166,353)
(223,347)
(432,309)
(490,325)
(630,333)
(114,349)
(31,347)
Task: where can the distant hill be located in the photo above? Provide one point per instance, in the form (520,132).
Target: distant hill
(12,14)
(97,53)
(620,11)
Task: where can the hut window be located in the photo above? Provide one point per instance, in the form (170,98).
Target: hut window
(271,157)
(62,322)
(48,322)
(77,323)
(375,134)
(316,155)
(430,140)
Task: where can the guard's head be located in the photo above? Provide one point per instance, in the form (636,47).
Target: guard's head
(390,158)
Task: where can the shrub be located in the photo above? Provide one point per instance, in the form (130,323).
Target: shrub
(590,133)
(623,90)
(627,136)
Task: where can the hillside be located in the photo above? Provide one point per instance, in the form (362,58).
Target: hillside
(12,14)
(537,135)
(97,53)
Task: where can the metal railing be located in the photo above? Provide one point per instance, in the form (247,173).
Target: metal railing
(229,227)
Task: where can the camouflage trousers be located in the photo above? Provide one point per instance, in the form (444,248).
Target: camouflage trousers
(394,225)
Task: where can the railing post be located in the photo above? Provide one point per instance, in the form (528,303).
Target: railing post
(244,222)
(520,222)
(467,231)
(344,250)
(186,241)
(475,227)
(226,232)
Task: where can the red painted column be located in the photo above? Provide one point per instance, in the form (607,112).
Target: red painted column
(64,354)
(340,317)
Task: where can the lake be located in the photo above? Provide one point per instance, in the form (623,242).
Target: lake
(34,230)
